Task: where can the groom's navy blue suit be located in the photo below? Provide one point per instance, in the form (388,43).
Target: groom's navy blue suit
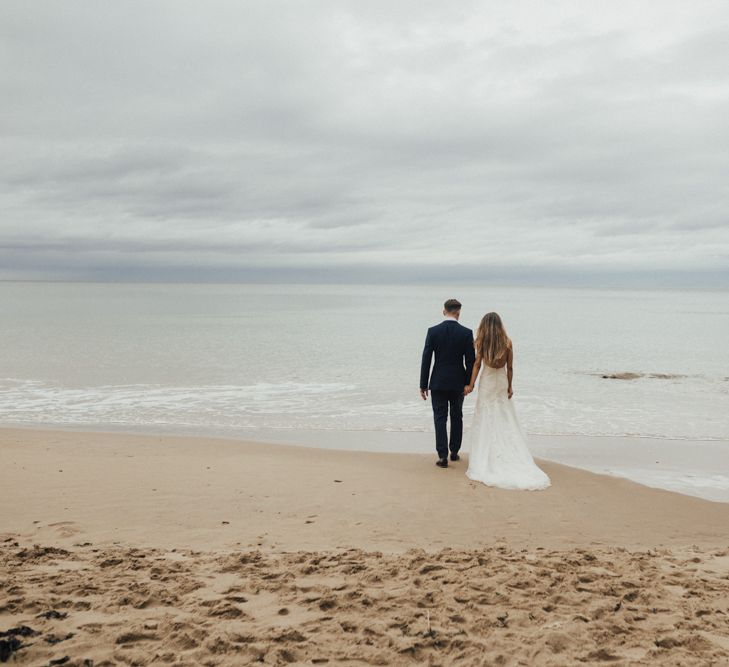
(452,344)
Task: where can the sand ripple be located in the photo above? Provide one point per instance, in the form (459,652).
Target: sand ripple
(89,606)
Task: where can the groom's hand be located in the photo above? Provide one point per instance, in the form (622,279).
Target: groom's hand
(467,390)
(424,394)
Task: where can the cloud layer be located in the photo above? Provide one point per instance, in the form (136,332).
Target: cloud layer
(338,140)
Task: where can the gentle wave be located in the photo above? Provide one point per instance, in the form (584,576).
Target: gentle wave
(631,375)
(342,406)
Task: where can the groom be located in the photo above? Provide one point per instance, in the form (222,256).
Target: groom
(454,359)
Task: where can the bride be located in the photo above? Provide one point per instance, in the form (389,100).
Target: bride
(499,453)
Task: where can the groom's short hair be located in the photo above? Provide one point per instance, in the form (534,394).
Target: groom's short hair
(452,305)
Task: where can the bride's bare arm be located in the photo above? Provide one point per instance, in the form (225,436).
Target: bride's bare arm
(510,368)
(474,374)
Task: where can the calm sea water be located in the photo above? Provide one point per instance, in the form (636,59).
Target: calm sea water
(231,358)
(302,363)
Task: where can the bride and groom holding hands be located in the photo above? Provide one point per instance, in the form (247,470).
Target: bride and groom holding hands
(499,454)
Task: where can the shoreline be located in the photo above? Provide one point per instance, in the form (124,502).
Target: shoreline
(687,466)
(194,485)
(238,433)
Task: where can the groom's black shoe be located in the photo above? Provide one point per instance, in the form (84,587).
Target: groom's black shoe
(442,463)
(455,457)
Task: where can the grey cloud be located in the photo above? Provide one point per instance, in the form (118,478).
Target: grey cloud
(346,135)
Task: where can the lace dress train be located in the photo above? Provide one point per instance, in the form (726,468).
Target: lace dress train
(499,453)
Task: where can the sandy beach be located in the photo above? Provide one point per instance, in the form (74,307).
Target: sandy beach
(261,264)
(129,549)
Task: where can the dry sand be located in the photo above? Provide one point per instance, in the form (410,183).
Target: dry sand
(121,549)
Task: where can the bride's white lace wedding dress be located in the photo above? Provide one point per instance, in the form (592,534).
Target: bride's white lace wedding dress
(499,454)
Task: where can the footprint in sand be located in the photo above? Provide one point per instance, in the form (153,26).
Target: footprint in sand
(65,528)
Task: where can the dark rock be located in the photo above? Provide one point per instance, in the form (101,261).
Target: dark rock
(8,647)
(20,631)
(52,613)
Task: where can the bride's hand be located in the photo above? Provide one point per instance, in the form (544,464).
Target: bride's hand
(510,392)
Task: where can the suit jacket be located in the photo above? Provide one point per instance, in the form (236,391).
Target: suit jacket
(452,344)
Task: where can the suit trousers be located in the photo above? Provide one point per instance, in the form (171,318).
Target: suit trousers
(442,401)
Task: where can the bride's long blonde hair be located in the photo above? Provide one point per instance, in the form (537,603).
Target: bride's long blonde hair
(491,339)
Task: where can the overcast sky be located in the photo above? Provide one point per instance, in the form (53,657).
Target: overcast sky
(556,142)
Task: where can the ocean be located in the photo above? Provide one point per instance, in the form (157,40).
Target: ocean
(294,361)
